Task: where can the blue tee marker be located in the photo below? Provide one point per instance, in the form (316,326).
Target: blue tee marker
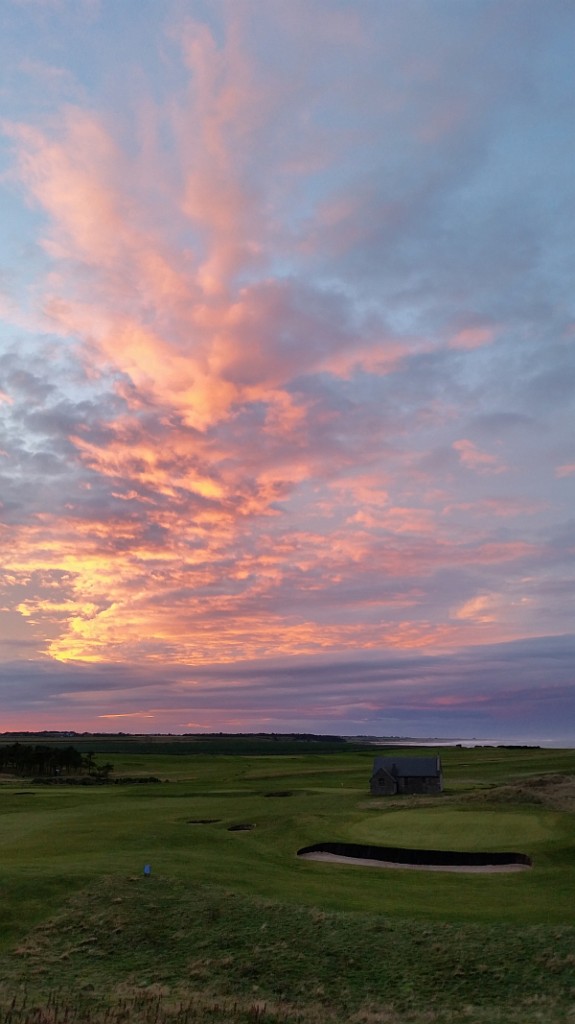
(147,869)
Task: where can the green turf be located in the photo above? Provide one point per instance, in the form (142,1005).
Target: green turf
(75,832)
(137,949)
(459,829)
(90,845)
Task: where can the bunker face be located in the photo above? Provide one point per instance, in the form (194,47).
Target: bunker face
(422,860)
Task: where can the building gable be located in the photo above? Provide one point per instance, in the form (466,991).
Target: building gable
(403,767)
(406,775)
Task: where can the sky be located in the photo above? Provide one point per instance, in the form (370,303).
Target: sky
(287,366)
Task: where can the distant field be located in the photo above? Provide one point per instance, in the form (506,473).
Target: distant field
(89,845)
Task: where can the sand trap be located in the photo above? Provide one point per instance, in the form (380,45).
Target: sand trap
(364,862)
(415,860)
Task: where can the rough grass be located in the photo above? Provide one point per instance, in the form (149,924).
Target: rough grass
(556,792)
(159,950)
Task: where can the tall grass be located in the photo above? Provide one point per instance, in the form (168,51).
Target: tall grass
(156,950)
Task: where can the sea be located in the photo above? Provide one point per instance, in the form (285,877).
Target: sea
(567,743)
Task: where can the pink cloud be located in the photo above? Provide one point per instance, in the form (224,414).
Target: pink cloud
(471,457)
(470,338)
(444,121)
(249,484)
(506,508)
(482,608)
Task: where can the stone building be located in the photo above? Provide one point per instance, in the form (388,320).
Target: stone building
(392,775)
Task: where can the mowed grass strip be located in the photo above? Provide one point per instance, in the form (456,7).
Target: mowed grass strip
(238,958)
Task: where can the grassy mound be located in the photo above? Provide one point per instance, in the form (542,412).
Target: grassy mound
(556,792)
(155,949)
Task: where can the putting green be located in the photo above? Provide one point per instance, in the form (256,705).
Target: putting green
(441,829)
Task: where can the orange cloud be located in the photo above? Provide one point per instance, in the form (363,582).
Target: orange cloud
(479,609)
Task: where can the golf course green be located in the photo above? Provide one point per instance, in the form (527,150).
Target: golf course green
(73,858)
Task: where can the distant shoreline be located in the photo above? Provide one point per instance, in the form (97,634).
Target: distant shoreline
(311,738)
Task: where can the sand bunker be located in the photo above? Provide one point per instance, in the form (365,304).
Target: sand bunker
(419,860)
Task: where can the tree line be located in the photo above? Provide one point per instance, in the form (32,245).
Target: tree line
(41,760)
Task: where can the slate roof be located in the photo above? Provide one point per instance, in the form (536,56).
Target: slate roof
(408,767)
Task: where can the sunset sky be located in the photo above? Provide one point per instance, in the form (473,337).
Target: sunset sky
(287,366)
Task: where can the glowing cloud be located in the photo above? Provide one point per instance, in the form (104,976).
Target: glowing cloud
(287,363)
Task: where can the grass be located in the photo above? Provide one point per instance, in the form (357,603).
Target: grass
(232,926)
(123,942)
